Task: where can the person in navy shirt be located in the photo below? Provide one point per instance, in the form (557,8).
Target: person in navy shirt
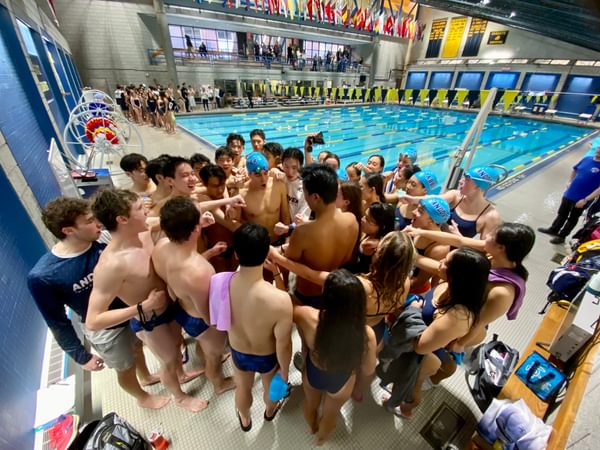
(63,277)
(583,188)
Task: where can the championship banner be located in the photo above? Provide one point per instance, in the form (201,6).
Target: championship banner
(474,37)
(454,38)
(497,37)
(436,35)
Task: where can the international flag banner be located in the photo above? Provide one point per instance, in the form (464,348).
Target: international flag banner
(474,37)
(309,8)
(388,28)
(436,35)
(361,22)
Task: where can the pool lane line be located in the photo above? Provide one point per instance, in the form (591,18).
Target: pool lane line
(371,125)
(525,170)
(444,154)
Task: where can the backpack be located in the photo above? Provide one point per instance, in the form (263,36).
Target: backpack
(568,280)
(491,364)
(115,433)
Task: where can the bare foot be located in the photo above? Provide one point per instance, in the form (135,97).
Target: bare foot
(149,381)
(226,384)
(153,401)
(405,410)
(192,404)
(184,377)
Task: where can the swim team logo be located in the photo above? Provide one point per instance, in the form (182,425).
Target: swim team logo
(483,175)
(84,284)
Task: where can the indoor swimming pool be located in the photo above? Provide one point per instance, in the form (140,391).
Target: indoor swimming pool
(356,132)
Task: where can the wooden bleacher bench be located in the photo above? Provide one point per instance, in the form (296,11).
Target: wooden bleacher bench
(515,389)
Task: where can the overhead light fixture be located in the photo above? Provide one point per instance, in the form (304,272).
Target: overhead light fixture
(485,2)
(512,14)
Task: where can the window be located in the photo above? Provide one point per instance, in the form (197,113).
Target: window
(215,40)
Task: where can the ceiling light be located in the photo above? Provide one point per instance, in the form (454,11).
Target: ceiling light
(513,14)
(485,2)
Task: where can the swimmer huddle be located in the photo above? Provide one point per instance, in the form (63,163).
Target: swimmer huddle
(215,258)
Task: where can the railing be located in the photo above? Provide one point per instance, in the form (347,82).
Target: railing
(183,57)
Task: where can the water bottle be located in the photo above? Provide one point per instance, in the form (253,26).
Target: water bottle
(593,286)
(279,388)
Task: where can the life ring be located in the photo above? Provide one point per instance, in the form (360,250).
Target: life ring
(101,125)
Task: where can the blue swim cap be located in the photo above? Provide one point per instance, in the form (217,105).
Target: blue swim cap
(411,154)
(427,178)
(484,176)
(437,208)
(256,162)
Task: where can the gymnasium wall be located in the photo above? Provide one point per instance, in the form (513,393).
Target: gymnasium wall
(110,41)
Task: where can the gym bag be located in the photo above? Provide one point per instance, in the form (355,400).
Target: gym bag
(115,433)
(491,364)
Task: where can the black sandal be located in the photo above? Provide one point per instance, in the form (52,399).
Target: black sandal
(246,428)
(278,406)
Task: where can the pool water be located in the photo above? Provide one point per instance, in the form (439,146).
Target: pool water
(356,132)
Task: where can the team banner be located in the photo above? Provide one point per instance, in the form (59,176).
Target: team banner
(436,35)
(454,37)
(474,37)
(497,37)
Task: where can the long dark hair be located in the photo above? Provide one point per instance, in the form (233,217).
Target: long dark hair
(518,240)
(390,267)
(351,193)
(375,181)
(467,273)
(341,338)
(384,217)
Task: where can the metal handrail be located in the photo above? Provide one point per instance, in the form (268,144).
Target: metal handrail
(471,140)
(182,55)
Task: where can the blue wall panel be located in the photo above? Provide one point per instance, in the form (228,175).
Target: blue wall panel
(440,80)
(577,104)
(539,82)
(502,80)
(24,120)
(416,80)
(469,80)
(23,331)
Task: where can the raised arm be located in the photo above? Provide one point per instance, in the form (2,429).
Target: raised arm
(213,204)
(442,237)
(428,265)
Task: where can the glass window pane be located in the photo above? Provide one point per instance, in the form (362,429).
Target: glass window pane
(175,30)
(177,42)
